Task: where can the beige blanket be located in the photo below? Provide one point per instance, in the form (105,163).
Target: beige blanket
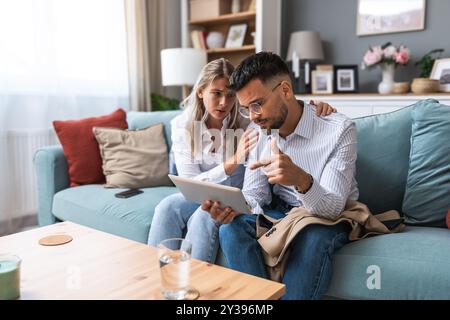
(275,241)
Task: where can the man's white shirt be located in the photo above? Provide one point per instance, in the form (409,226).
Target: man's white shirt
(324,147)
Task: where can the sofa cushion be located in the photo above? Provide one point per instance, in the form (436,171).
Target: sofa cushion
(134,158)
(383,155)
(427,195)
(81,148)
(141,120)
(448,219)
(412,265)
(98,208)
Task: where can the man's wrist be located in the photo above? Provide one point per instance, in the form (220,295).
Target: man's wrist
(305,184)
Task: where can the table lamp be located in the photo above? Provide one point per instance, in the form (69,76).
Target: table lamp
(181,67)
(306,47)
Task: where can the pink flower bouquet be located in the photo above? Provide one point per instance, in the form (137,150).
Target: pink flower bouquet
(385,54)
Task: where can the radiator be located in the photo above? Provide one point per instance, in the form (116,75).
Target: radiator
(18,178)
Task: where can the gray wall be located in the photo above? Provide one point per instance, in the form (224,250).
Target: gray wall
(336,22)
(172,40)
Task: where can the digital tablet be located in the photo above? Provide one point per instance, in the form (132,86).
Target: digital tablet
(199,191)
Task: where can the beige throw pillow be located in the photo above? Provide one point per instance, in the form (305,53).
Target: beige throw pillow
(134,159)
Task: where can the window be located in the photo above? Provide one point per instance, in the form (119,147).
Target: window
(59,47)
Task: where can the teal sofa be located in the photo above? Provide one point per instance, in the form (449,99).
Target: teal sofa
(414,264)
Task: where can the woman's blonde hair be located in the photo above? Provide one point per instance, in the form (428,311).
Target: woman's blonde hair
(216,69)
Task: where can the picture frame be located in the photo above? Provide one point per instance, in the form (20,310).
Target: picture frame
(389,16)
(346,79)
(441,72)
(322,82)
(324,67)
(236,35)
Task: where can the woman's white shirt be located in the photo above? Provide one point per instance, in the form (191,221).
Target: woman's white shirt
(206,165)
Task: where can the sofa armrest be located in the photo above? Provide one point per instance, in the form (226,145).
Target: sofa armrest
(52,176)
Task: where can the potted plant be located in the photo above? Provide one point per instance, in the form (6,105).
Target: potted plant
(162,103)
(424,84)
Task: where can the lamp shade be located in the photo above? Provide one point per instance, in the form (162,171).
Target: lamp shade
(181,66)
(306,44)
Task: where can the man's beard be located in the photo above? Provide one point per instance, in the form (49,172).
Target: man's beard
(278,122)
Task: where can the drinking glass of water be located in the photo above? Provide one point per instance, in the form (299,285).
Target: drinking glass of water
(267,152)
(174,265)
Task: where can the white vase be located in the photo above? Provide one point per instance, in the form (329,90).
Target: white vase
(387,84)
(215,40)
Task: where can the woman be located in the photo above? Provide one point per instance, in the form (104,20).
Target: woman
(199,140)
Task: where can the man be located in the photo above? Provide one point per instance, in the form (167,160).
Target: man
(312,164)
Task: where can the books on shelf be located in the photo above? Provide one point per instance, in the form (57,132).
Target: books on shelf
(198,39)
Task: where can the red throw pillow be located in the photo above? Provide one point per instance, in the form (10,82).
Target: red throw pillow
(81,148)
(448,219)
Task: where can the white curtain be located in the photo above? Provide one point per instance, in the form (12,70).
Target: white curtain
(59,59)
(152,25)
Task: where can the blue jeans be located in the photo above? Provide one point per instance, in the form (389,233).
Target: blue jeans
(309,266)
(174,214)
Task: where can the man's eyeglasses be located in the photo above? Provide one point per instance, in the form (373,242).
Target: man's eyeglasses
(255,107)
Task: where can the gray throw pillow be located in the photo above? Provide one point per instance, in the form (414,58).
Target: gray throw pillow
(134,159)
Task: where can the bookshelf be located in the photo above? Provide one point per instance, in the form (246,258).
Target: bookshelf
(267,35)
(226,18)
(249,47)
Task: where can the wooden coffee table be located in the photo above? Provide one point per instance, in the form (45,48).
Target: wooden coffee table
(98,265)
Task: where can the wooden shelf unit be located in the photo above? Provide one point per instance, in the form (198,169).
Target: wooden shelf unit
(249,47)
(222,24)
(265,21)
(226,18)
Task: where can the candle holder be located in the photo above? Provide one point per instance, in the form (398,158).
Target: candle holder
(9,277)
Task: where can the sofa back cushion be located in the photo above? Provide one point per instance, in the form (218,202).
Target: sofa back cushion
(383,157)
(427,195)
(141,120)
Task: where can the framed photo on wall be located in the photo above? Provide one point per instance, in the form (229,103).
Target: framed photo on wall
(441,72)
(389,16)
(322,82)
(236,35)
(346,79)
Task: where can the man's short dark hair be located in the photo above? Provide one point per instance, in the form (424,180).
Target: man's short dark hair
(263,66)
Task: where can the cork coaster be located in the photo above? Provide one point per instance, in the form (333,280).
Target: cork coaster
(55,240)
(192,294)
